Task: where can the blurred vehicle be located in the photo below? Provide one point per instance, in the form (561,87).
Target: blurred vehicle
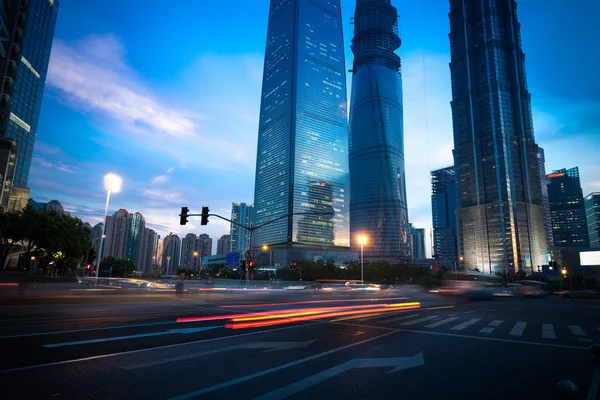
(470,284)
(531,288)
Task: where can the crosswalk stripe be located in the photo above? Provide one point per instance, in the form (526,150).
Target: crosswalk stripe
(491,326)
(442,322)
(548,331)
(518,329)
(416,321)
(387,321)
(462,326)
(577,331)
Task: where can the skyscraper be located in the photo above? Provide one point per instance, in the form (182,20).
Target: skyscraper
(204,246)
(171,253)
(378,190)
(418,242)
(30,82)
(592,212)
(567,210)
(188,246)
(241,213)
(117,231)
(223,244)
(501,215)
(302,130)
(443,213)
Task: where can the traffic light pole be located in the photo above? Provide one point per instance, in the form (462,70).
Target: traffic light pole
(250,228)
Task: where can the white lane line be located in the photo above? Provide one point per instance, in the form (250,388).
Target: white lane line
(442,322)
(491,326)
(577,331)
(468,312)
(548,331)
(518,329)
(462,326)
(275,369)
(416,321)
(387,321)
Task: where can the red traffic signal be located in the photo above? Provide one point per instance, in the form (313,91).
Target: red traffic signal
(251,263)
(89,266)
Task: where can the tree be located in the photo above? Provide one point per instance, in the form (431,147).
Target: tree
(118,266)
(34,226)
(65,237)
(10,234)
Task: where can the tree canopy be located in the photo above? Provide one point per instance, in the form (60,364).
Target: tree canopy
(118,266)
(58,237)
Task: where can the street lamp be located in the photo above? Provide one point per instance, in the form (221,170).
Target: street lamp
(461,259)
(362,240)
(265,247)
(168,263)
(112,183)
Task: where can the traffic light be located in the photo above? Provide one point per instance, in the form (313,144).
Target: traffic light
(251,264)
(184,215)
(293,265)
(89,266)
(205,212)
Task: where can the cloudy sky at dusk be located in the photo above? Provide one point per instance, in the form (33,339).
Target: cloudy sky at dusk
(168,98)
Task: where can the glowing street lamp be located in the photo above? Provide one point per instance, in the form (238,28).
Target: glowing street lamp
(362,240)
(112,183)
(265,247)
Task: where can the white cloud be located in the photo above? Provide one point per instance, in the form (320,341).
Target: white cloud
(58,165)
(117,99)
(44,148)
(170,170)
(160,179)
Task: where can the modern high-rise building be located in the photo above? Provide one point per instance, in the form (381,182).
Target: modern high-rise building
(378,206)
(501,215)
(243,214)
(188,247)
(592,212)
(443,213)
(97,232)
(135,232)
(125,237)
(204,246)
(117,233)
(29,83)
(545,198)
(146,255)
(302,140)
(223,244)
(171,254)
(567,209)
(418,242)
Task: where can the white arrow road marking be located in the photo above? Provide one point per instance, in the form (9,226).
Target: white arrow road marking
(142,335)
(271,346)
(399,364)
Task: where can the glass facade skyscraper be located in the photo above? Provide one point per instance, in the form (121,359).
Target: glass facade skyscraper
(443,213)
(567,210)
(378,190)
(302,159)
(501,214)
(592,212)
(30,82)
(241,213)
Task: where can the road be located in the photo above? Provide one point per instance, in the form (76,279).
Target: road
(305,345)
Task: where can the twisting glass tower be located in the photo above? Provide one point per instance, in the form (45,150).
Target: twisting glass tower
(376,134)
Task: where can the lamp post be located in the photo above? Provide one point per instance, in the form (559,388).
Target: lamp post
(32,268)
(196,255)
(168,263)
(362,240)
(112,183)
(461,259)
(265,247)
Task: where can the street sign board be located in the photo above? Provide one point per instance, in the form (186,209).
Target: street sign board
(233,259)
(249,255)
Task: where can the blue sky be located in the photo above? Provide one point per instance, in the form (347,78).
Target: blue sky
(168,98)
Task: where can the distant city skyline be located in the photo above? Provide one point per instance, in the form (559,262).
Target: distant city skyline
(213,121)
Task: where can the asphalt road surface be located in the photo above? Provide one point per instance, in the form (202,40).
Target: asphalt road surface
(400,344)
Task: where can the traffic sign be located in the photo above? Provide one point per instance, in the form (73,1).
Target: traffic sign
(249,255)
(233,259)
(199,267)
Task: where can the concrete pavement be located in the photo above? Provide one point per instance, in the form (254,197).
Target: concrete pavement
(503,349)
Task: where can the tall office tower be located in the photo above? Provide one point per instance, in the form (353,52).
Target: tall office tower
(592,212)
(443,213)
(378,207)
(567,209)
(302,132)
(13,17)
(545,198)
(500,214)
(223,244)
(117,230)
(171,254)
(418,242)
(97,232)
(241,213)
(188,246)
(30,82)
(147,255)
